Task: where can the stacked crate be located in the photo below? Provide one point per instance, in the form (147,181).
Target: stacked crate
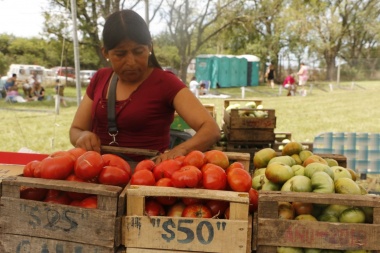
(247,133)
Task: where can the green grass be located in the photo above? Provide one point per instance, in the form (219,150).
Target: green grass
(34,125)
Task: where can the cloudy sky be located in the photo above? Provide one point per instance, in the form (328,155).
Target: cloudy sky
(23,18)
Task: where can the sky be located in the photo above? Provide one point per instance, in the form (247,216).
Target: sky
(22,18)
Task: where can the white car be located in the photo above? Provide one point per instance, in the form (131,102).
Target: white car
(85,76)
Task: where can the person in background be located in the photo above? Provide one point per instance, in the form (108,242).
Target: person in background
(303,76)
(28,85)
(59,90)
(38,92)
(290,84)
(193,86)
(10,84)
(270,75)
(146,97)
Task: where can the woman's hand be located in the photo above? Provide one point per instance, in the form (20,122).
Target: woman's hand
(88,141)
(171,154)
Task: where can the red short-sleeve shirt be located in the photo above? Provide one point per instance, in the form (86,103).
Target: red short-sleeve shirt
(144,119)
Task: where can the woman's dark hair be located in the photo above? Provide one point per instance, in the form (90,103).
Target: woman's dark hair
(127,25)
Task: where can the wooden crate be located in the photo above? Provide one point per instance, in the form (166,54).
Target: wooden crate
(47,227)
(273,232)
(180,234)
(8,170)
(283,136)
(234,120)
(249,135)
(241,101)
(211,109)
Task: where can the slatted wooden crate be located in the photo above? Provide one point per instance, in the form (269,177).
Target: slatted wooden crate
(241,101)
(251,135)
(45,227)
(273,232)
(167,234)
(235,120)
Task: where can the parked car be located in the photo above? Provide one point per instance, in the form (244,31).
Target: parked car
(85,76)
(64,74)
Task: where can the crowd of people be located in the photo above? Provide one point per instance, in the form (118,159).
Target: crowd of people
(32,89)
(290,82)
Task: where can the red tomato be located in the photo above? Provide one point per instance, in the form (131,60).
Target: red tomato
(146,164)
(112,175)
(143,177)
(166,182)
(31,193)
(239,180)
(195,158)
(188,176)
(29,168)
(167,201)
(217,207)
(117,161)
(37,171)
(227,213)
(214,178)
(197,211)
(75,203)
(153,208)
(89,202)
(57,197)
(76,195)
(57,167)
(253,200)
(176,210)
(169,167)
(191,201)
(205,166)
(77,152)
(61,153)
(235,165)
(217,157)
(89,165)
(180,159)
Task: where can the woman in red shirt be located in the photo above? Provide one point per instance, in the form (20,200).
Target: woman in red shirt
(146,97)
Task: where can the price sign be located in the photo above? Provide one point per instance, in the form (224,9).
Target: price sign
(203,235)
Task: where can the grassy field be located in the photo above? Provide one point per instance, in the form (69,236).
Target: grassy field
(36,126)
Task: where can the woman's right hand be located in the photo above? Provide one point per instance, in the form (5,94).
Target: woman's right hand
(88,141)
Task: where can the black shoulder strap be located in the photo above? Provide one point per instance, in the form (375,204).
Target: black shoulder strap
(111,113)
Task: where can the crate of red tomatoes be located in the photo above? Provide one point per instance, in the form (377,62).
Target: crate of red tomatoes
(200,202)
(69,201)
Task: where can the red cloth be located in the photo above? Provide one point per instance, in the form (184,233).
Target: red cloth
(289,80)
(144,119)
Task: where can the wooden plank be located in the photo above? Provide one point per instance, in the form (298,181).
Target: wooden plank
(7,170)
(19,244)
(257,135)
(136,151)
(242,102)
(231,196)
(186,234)
(311,234)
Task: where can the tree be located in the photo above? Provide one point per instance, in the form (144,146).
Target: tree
(91,15)
(192,23)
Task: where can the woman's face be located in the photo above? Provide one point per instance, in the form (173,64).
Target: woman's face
(130,61)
